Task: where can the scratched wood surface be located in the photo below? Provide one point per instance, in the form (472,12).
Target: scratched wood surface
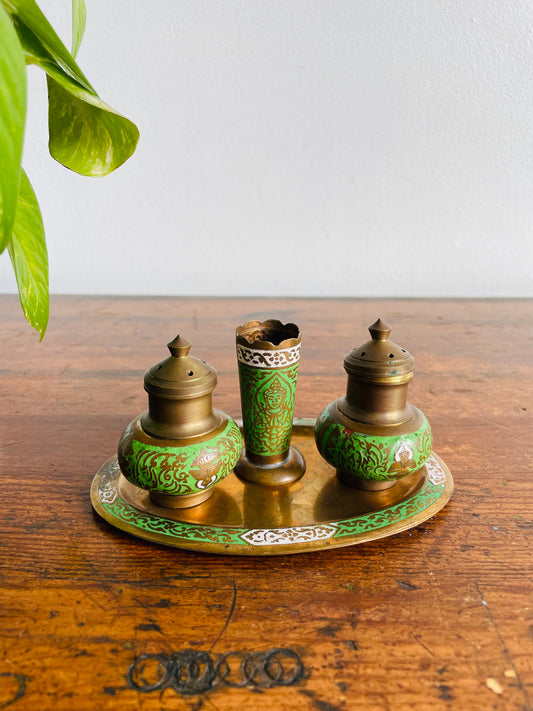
(439,617)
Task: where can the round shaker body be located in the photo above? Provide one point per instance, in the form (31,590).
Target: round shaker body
(179,473)
(372,435)
(180,447)
(369,458)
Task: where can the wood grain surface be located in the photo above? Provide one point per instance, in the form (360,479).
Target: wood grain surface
(439,617)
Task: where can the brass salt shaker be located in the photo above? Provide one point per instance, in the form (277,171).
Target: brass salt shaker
(372,435)
(180,447)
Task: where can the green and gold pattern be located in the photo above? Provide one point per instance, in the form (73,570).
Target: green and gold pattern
(267,398)
(182,470)
(238,539)
(373,458)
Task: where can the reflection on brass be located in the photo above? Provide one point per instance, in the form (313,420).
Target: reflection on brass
(316,512)
(267,507)
(337,500)
(180,502)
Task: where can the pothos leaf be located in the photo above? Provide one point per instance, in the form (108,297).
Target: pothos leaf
(86,135)
(29,257)
(12,120)
(28,14)
(79,16)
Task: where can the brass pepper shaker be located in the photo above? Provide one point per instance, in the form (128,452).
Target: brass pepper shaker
(372,435)
(180,447)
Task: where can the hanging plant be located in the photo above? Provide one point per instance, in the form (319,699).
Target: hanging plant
(85,135)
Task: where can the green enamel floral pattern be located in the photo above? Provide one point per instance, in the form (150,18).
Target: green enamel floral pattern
(375,458)
(267,398)
(182,470)
(119,509)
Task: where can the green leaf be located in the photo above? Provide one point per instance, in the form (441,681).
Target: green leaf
(79,17)
(12,119)
(29,15)
(86,135)
(29,257)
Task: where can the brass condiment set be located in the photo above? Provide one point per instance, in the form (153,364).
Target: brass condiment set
(181,447)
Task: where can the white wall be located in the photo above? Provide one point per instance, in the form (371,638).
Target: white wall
(299,147)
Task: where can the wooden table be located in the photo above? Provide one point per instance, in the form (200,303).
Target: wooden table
(438,617)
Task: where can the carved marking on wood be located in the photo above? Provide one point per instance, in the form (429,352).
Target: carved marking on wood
(191,671)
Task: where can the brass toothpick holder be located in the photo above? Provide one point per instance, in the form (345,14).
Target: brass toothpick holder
(268,354)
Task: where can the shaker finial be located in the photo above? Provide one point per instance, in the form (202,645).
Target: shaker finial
(179,347)
(379,330)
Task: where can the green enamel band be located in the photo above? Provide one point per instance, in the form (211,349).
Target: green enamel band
(267,399)
(224,535)
(183,470)
(370,457)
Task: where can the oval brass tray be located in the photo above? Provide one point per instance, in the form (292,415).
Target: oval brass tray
(315,513)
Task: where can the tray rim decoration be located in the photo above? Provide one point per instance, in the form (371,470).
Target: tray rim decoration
(428,499)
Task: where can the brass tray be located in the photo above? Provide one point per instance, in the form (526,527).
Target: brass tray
(315,513)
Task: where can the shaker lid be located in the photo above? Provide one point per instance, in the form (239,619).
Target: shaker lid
(380,360)
(180,376)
